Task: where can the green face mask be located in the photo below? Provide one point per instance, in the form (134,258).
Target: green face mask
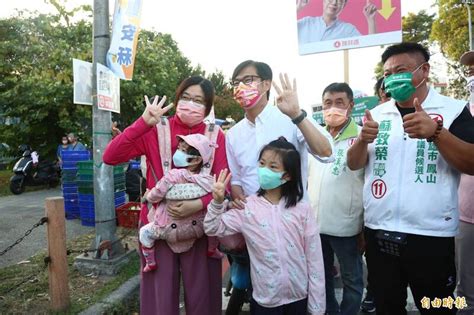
(399,86)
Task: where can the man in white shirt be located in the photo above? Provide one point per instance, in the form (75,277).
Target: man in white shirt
(328,26)
(413,149)
(264,123)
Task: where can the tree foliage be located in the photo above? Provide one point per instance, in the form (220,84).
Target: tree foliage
(451,32)
(36,82)
(36,71)
(415,28)
(224,104)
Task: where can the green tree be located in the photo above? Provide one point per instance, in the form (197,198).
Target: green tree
(224,103)
(451,32)
(36,71)
(415,28)
(36,54)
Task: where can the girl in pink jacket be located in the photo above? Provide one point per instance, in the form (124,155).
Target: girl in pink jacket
(281,234)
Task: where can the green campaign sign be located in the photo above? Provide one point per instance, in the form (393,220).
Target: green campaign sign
(360,105)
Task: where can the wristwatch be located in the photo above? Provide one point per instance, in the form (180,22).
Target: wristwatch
(300,117)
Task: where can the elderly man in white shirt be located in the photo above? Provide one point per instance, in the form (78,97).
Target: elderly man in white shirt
(264,123)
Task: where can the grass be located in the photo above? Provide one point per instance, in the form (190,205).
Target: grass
(33,297)
(5,184)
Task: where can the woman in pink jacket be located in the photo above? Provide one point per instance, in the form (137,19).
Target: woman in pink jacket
(159,290)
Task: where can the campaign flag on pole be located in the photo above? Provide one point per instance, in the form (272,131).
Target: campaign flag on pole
(108,89)
(123,46)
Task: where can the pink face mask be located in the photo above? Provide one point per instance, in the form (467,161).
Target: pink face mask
(190,113)
(247,95)
(334,117)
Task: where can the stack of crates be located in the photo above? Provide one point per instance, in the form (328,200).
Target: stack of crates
(85,182)
(68,179)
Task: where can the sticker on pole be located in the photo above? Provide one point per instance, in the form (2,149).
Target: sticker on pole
(108,89)
(379,188)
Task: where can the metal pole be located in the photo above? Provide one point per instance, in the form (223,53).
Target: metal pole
(468,6)
(101,122)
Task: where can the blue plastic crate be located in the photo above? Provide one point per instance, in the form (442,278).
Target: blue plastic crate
(86,212)
(71,200)
(87,222)
(86,197)
(86,204)
(120,201)
(69,167)
(87,216)
(70,184)
(119,194)
(90,203)
(69,172)
(72,216)
(71,196)
(72,209)
(69,190)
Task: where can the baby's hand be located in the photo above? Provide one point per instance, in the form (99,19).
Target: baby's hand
(218,191)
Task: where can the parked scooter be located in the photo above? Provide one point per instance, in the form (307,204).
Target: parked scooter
(29,171)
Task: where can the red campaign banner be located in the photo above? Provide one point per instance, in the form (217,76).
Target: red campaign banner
(330,25)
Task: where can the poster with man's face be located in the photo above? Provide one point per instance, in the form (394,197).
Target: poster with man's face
(329,25)
(82,72)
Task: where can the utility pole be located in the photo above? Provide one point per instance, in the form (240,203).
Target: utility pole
(112,255)
(101,126)
(468,4)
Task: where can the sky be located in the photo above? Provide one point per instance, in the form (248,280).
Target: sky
(219,34)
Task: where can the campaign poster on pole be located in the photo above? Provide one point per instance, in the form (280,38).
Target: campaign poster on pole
(123,46)
(330,25)
(108,89)
(82,73)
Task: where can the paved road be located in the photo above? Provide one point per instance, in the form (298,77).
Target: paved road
(18,214)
